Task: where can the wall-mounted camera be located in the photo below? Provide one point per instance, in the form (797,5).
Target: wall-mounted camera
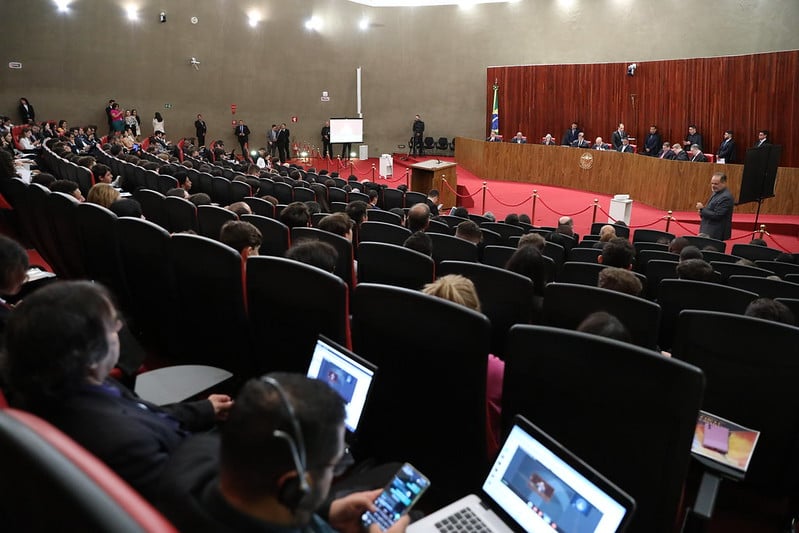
(631,69)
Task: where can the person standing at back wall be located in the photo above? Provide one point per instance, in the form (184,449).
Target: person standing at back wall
(200,129)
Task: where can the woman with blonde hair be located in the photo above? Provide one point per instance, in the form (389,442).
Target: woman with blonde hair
(461,290)
(102,194)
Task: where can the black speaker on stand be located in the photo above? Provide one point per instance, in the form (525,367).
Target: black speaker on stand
(760,175)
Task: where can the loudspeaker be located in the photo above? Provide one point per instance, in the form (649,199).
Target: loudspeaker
(760,173)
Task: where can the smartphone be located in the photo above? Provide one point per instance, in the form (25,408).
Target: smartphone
(402,492)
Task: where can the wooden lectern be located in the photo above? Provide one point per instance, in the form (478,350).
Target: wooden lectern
(429,175)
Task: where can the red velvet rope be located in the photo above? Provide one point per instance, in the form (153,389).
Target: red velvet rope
(563,214)
(460,195)
(392,180)
(683,227)
(770,236)
(503,203)
(665,217)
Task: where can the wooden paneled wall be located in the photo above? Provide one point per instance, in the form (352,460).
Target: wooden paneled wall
(742,93)
(668,185)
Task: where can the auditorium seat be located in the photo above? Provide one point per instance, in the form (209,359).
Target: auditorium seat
(492,238)
(644,256)
(436,226)
(260,206)
(621,231)
(181,214)
(62,211)
(497,256)
(506,298)
(344,265)
(274,233)
(413,197)
(755,252)
(98,245)
(652,235)
(704,242)
(420,343)
(284,193)
(657,271)
(390,264)
(733,269)
(450,248)
(336,194)
(379,215)
(152,206)
(710,256)
(372,231)
(627,411)
(506,231)
(238,191)
(764,287)
(211,218)
(304,194)
(584,255)
(289,305)
(780,268)
(50,483)
(566,305)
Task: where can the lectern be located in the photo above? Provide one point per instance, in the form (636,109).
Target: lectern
(430,174)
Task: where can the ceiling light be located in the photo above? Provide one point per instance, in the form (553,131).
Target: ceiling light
(313,23)
(132,11)
(363,24)
(62,5)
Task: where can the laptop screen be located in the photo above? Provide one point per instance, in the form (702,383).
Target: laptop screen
(538,486)
(348,374)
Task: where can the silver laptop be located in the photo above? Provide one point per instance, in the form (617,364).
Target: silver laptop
(536,484)
(349,375)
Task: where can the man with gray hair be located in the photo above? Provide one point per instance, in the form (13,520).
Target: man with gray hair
(697,155)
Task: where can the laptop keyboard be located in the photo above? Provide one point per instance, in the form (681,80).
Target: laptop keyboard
(463,520)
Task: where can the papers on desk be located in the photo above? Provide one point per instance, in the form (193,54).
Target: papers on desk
(723,441)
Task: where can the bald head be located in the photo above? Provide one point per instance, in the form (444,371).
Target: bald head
(419,217)
(566,225)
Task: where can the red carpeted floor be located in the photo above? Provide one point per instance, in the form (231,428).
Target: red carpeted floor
(504,197)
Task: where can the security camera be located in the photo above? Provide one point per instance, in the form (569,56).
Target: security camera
(631,69)
(162,17)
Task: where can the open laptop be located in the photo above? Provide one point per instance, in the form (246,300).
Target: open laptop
(536,484)
(349,375)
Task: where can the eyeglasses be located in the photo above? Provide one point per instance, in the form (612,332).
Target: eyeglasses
(341,466)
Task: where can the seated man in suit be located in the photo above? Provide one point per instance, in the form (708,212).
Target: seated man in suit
(679,153)
(62,342)
(726,151)
(564,234)
(273,467)
(494,138)
(548,140)
(666,152)
(697,155)
(581,142)
(625,147)
(599,145)
(519,138)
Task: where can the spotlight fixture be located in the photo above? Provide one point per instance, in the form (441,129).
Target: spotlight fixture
(132,11)
(162,17)
(363,24)
(631,69)
(313,24)
(253,18)
(62,5)
(194,63)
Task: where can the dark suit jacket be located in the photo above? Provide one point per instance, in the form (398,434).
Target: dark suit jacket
(26,115)
(652,144)
(669,154)
(242,138)
(201,128)
(569,137)
(682,156)
(758,145)
(283,137)
(626,149)
(518,141)
(133,437)
(696,139)
(726,151)
(717,215)
(585,143)
(615,139)
(603,146)
(699,158)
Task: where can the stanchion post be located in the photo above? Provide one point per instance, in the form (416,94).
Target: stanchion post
(407,179)
(373,172)
(484,199)
(668,219)
(532,213)
(596,205)
(762,230)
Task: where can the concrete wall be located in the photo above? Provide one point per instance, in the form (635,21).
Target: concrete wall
(430,61)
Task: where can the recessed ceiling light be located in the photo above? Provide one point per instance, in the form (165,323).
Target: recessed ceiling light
(63,5)
(132,11)
(363,24)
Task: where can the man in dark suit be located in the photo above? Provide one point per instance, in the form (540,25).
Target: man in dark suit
(600,145)
(283,142)
(200,129)
(625,147)
(580,142)
(762,139)
(679,153)
(327,148)
(696,155)
(726,151)
(716,216)
(693,137)
(26,113)
(653,142)
(571,135)
(418,136)
(617,136)
(666,151)
(519,138)
(242,133)
(493,137)
(62,343)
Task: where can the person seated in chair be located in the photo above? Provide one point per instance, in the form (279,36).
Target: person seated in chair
(666,152)
(273,467)
(695,269)
(519,138)
(581,141)
(564,233)
(620,280)
(494,137)
(61,344)
(338,224)
(548,140)
(296,215)
(618,252)
(418,217)
(242,236)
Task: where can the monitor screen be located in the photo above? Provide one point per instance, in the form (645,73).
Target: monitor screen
(346,130)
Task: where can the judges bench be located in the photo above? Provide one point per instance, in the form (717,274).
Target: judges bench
(667,185)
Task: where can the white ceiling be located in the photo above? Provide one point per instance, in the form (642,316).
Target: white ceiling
(403,3)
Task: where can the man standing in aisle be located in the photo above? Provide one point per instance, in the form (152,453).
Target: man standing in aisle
(418,136)
(271,140)
(653,142)
(200,129)
(242,133)
(283,141)
(716,216)
(327,148)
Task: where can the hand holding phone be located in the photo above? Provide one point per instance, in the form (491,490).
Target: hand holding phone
(397,498)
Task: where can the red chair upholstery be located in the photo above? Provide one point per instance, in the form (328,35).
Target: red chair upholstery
(710,158)
(43,467)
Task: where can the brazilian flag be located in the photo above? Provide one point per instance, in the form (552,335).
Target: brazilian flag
(495,112)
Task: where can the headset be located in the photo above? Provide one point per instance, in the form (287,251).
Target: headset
(294,489)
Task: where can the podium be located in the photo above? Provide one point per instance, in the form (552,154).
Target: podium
(430,175)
